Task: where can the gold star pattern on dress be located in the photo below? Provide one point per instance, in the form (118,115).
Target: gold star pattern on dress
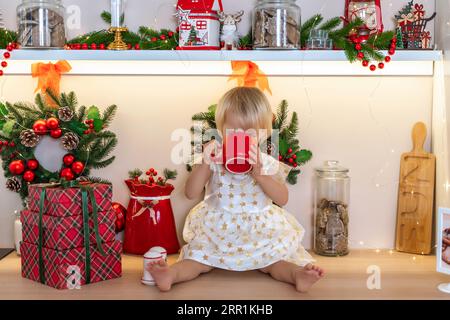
(255,203)
(220,184)
(231,186)
(243,194)
(205,257)
(222,260)
(224,226)
(243,204)
(229,245)
(231,195)
(219,195)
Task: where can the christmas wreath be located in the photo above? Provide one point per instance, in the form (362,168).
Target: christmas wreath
(289,150)
(80,130)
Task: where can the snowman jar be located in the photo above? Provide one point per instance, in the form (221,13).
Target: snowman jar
(153,255)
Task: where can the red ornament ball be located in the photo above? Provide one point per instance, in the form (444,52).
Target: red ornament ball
(56,133)
(9,47)
(120,212)
(360,55)
(68,159)
(52,123)
(170,34)
(67,174)
(358,46)
(154,39)
(387,59)
(93,46)
(40,127)
(29,176)
(1,72)
(365,63)
(11,144)
(4,64)
(7,55)
(102,46)
(84,46)
(373,67)
(391,51)
(381,65)
(137,46)
(32,164)
(16,167)
(129,46)
(162,37)
(78,167)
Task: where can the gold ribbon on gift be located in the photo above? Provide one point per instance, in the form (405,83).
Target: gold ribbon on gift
(49,75)
(248,74)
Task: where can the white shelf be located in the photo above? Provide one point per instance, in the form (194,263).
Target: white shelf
(217,63)
(189,55)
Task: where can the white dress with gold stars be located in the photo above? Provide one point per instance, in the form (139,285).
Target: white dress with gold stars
(237,227)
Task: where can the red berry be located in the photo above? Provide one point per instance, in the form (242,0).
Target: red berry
(1,72)
(151,170)
(162,37)
(294,156)
(290,150)
(86,131)
(387,59)
(9,47)
(358,46)
(365,63)
(137,46)
(295,165)
(29,176)
(11,144)
(40,127)
(56,133)
(373,67)
(129,46)
(148,173)
(93,46)
(291,160)
(170,34)
(84,46)
(360,55)
(391,51)
(280,158)
(154,39)
(4,64)
(68,159)
(52,123)
(102,46)
(5,143)
(78,46)
(381,65)
(78,167)
(67,174)
(32,164)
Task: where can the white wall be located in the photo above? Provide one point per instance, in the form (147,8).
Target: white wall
(364,122)
(159,13)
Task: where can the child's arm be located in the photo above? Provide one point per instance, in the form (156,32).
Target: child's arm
(197,180)
(275,190)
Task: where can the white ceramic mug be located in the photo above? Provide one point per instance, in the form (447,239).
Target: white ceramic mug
(153,255)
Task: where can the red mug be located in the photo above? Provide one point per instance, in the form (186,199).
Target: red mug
(236,152)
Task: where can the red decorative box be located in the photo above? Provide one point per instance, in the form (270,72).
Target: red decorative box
(65,202)
(63,233)
(59,266)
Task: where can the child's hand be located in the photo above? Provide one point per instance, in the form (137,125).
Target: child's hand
(255,161)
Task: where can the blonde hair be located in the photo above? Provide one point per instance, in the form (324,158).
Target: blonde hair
(249,104)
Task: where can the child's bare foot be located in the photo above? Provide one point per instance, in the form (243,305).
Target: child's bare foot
(307,276)
(160,272)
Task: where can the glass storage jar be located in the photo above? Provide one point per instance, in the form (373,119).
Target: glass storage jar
(331,199)
(276,24)
(41,24)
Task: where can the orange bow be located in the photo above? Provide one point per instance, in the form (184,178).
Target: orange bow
(248,74)
(49,75)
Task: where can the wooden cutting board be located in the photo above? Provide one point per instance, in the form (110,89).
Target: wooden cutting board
(416,196)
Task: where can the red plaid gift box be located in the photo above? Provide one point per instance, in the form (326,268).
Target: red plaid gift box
(62,233)
(64,202)
(63,269)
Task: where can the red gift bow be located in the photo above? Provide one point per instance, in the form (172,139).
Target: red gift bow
(248,74)
(419,13)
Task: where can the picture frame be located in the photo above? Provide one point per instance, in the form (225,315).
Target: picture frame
(443,241)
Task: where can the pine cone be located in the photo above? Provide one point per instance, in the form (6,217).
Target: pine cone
(65,114)
(29,138)
(70,141)
(14,184)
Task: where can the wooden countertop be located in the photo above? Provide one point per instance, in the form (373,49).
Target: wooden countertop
(403,276)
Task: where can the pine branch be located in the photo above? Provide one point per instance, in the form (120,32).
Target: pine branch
(81,116)
(28,109)
(16,114)
(281,116)
(381,40)
(136,173)
(109,114)
(307,26)
(170,174)
(103,164)
(292,129)
(40,102)
(54,97)
(106,16)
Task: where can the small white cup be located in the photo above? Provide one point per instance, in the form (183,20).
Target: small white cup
(153,255)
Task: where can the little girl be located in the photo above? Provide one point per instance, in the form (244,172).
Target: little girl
(237,227)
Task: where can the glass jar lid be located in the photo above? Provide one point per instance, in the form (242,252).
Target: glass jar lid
(331,166)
